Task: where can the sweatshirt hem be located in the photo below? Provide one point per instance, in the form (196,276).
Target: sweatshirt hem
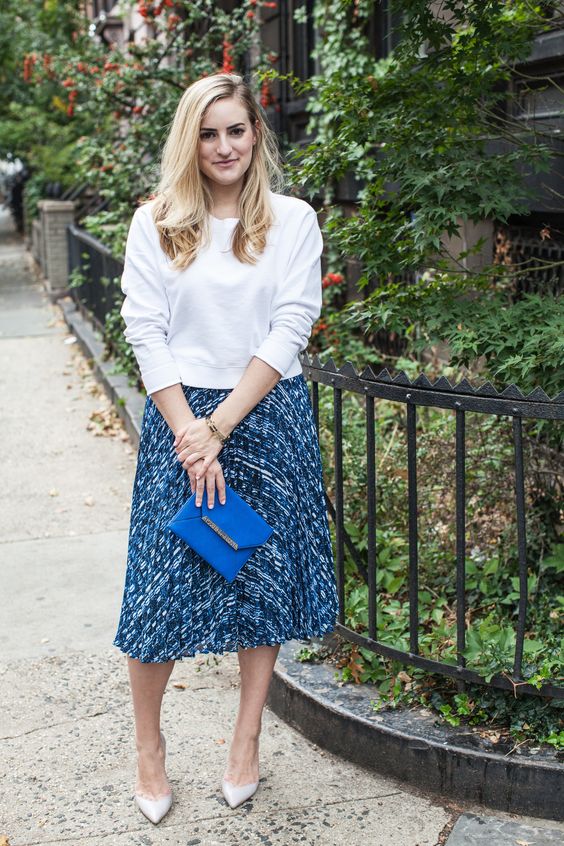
(204,376)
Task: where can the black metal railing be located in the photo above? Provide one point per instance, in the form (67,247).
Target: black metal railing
(460,399)
(99,293)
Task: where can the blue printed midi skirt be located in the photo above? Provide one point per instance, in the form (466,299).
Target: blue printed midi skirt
(174,603)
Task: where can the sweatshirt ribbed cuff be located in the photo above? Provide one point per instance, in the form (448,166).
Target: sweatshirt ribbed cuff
(278,356)
(160,377)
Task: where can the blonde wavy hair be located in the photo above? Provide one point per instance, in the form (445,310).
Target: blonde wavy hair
(183,201)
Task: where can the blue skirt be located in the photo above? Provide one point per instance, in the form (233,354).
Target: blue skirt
(174,603)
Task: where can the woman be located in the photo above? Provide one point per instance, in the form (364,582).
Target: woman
(222,283)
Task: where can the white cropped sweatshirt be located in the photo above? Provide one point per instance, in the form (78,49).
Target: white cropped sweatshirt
(201,326)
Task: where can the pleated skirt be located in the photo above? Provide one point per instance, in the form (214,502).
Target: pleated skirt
(175,605)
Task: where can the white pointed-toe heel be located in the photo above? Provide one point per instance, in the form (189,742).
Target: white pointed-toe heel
(234,795)
(155,809)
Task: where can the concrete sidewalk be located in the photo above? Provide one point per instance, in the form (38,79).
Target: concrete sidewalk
(67,752)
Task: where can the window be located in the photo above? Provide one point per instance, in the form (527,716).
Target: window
(383,31)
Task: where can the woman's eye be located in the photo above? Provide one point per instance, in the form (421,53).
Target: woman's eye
(239,130)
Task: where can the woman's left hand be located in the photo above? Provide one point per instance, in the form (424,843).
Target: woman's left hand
(194,441)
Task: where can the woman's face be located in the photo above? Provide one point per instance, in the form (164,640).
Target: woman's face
(226,136)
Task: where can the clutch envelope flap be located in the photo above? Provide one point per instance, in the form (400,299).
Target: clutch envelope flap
(236,520)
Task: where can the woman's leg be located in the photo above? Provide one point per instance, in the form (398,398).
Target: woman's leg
(148,682)
(256,666)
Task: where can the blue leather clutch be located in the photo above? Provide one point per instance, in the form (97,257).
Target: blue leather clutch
(226,535)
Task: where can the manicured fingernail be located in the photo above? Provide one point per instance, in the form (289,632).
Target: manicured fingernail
(223,501)
(210,504)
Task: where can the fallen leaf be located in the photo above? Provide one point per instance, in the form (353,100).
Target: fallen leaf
(494,736)
(221,741)
(53,492)
(4,840)
(523,843)
(106,421)
(179,685)
(93,387)
(89,500)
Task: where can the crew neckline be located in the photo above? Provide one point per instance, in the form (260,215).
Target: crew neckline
(221,219)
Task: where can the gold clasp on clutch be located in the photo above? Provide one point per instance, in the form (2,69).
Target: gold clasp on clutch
(220,532)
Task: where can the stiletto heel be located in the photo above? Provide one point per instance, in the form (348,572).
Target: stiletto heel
(155,809)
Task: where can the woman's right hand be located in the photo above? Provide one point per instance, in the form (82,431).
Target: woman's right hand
(211,482)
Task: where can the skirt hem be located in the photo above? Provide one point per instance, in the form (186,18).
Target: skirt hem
(221,648)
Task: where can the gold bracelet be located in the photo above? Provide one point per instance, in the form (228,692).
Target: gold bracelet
(219,435)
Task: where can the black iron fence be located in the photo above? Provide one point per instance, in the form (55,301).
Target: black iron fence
(460,399)
(92,262)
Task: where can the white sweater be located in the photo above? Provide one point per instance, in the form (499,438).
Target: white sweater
(201,326)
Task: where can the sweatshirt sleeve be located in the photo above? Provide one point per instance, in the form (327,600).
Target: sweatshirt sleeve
(145,308)
(297,303)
